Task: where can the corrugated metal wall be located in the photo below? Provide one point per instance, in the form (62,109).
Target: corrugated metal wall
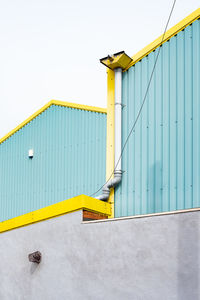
(69,159)
(161,162)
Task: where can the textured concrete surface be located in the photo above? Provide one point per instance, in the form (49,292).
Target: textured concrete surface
(150,258)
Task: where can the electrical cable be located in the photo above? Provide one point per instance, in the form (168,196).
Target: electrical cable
(143,102)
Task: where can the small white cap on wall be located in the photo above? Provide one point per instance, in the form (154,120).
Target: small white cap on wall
(30,153)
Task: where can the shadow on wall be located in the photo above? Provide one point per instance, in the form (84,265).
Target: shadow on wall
(155,188)
(188,258)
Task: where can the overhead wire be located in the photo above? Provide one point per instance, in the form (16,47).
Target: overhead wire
(143,102)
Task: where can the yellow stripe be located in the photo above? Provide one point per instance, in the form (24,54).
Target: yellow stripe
(169,34)
(80,106)
(110,149)
(52,102)
(60,208)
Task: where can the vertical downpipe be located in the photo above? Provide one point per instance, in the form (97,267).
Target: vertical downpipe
(118,120)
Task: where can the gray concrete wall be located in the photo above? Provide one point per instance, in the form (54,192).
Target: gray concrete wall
(150,258)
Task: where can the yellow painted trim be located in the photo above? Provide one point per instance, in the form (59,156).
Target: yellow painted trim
(80,106)
(110,149)
(169,34)
(118,60)
(53,102)
(55,210)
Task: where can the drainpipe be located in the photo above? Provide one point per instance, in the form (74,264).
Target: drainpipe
(118,138)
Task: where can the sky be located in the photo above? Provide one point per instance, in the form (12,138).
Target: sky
(51,49)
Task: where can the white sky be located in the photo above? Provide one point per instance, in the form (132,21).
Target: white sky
(50,49)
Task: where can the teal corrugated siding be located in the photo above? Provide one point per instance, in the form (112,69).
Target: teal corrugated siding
(69,159)
(161,162)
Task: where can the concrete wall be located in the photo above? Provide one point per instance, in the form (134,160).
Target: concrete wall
(149,258)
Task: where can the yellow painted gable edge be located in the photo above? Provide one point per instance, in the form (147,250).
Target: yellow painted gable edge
(55,210)
(53,102)
(169,34)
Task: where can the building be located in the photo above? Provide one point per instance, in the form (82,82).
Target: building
(62,166)
(54,165)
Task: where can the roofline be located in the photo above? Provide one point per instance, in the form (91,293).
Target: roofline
(81,202)
(169,34)
(53,102)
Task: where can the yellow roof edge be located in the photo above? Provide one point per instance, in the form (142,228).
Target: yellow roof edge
(79,106)
(57,209)
(47,105)
(169,34)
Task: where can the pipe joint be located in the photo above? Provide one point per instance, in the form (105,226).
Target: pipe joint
(110,184)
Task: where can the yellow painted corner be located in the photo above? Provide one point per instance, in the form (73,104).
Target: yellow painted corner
(60,208)
(96,205)
(169,34)
(110,149)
